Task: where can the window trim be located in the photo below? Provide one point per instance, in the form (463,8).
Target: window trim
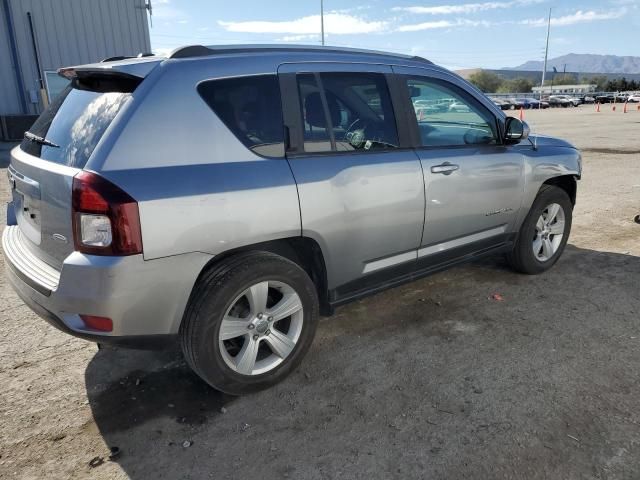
(403,79)
(292,113)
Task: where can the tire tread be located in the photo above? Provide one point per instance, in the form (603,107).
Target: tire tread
(206,286)
(520,258)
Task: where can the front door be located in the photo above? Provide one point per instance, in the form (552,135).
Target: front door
(360,185)
(473,182)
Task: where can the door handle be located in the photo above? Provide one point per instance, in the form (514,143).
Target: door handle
(446,168)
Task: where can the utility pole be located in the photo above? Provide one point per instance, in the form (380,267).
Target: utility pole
(322,21)
(546,53)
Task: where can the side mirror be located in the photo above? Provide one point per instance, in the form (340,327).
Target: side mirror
(515,130)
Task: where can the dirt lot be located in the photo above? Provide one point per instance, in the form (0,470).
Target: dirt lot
(430,380)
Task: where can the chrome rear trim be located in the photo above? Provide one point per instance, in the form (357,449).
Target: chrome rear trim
(23,260)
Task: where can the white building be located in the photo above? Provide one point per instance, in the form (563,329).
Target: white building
(558,89)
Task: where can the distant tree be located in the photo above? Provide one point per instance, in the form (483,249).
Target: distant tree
(612,85)
(488,82)
(599,80)
(516,85)
(621,85)
(561,79)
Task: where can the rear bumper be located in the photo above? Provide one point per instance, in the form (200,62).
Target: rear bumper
(144,299)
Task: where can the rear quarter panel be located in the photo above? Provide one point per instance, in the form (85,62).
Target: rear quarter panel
(198,188)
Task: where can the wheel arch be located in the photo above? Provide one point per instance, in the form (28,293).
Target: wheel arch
(568,183)
(303,251)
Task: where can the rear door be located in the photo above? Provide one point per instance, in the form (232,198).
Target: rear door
(41,175)
(360,184)
(473,182)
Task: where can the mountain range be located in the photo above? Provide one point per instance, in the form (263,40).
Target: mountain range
(585,62)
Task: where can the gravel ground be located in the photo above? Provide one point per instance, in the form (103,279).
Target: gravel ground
(430,380)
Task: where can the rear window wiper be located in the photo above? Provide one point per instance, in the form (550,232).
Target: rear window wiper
(32,137)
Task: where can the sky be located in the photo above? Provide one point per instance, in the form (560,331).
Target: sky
(464,34)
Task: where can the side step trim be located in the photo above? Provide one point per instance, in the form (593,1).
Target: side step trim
(461,241)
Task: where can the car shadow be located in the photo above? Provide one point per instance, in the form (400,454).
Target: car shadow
(148,404)
(129,395)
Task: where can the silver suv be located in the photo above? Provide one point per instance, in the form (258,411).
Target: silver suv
(225,197)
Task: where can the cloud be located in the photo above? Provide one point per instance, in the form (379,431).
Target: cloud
(334,23)
(465,8)
(299,38)
(460,22)
(572,19)
(577,17)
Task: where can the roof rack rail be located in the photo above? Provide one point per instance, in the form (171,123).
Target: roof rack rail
(191,51)
(125,57)
(114,59)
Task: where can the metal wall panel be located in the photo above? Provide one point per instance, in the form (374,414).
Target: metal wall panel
(9,101)
(68,32)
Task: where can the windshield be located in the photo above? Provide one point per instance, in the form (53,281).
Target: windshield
(74,123)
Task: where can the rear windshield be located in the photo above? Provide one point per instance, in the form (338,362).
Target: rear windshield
(75,121)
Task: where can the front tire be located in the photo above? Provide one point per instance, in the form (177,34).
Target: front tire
(249,322)
(544,232)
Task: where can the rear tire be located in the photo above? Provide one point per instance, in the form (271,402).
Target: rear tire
(544,232)
(249,322)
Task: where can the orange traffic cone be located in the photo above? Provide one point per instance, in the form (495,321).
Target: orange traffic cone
(598,107)
(521,113)
(625,108)
(639,107)
(613,109)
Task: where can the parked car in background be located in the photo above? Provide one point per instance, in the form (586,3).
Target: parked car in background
(588,99)
(605,98)
(634,98)
(525,103)
(458,106)
(221,199)
(501,103)
(509,103)
(517,103)
(534,103)
(563,101)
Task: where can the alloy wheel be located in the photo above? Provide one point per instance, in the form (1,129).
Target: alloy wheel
(549,232)
(261,328)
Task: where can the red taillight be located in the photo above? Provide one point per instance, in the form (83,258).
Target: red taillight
(103,324)
(105,218)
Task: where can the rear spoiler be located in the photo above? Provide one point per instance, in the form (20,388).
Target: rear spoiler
(136,67)
(100,80)
(115,76)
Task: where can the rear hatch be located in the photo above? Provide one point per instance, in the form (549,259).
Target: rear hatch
(58,146)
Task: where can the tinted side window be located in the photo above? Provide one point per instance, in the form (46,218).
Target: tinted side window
(316,134)
(250,107)
(447,116)
(354,108)
(75,121)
